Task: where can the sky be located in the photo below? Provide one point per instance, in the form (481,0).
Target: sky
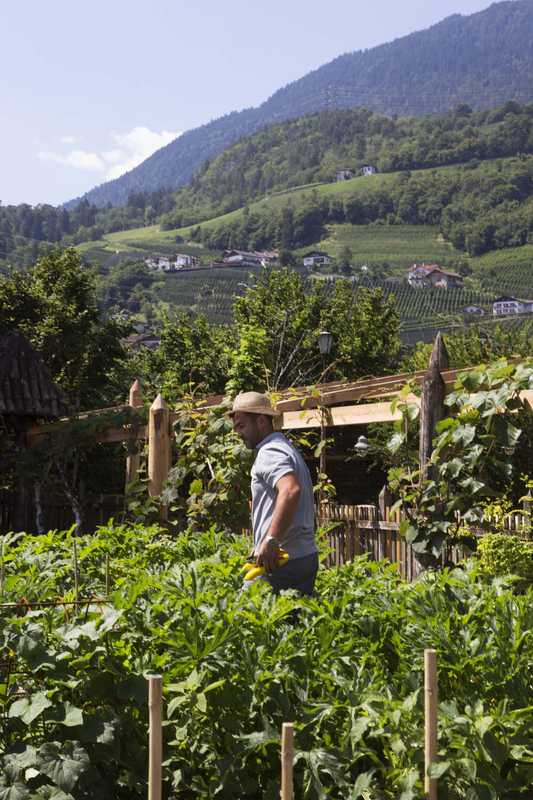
(89,90)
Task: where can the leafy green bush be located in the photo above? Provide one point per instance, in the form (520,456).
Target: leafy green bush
(503,554)
(349,673)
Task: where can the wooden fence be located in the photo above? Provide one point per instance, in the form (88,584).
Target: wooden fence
(358,530)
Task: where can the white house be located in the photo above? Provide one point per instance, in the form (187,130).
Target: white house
(316,258)
(368,169)
(511,305)
(183,260)
(425,275)
(243,258)
(160,263)
(344,174)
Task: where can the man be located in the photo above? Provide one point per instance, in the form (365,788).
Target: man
(282,497)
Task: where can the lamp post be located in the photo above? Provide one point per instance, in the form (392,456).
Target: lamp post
(361,447)
(325,340)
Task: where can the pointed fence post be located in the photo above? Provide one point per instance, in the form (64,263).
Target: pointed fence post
(133,461)
(158,448)
(432,402)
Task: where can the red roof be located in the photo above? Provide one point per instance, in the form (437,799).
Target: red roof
(429,268)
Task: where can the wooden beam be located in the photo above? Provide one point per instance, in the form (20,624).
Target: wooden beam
(136,434)
(362,414)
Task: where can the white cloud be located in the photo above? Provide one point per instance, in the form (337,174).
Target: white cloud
(134,147)
(68,140)
(80,159)
(129,150)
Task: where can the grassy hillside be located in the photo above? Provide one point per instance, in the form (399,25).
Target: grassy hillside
(153,239)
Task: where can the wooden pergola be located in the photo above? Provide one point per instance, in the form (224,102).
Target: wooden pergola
(327,405)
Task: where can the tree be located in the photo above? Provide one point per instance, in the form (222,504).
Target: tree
(54,305)
(277,325)
(192,354)
(477,344)
(345,260)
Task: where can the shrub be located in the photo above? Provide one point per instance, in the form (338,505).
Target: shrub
(502,554)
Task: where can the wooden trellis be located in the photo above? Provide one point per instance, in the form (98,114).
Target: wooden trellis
(300,408)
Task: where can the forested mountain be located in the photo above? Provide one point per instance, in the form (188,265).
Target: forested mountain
(482,60)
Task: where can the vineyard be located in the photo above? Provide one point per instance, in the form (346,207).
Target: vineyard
(397,246)
(212,293)
(508,277)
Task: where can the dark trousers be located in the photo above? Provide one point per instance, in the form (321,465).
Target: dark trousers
(297,573)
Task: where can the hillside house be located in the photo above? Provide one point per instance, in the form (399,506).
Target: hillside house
(316,258)
(368,169)
(344,174)
(422,276)
(243,258)
(183,260)
(505,305)
(160,263)
(138,340)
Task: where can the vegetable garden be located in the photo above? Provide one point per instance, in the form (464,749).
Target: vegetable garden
(345,666)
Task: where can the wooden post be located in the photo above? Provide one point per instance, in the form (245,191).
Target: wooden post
(2,569)
(158,447)
(133,461)
(430,704)
(287,759)
(76,572)
(432,402)
(322,465)
(155,736)
(107,577)
(384,502)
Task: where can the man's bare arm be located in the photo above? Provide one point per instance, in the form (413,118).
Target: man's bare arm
(288,496)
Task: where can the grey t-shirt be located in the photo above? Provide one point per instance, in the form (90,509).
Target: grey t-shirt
(276,457)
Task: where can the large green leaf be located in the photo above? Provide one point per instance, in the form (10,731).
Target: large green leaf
(29,708)
(63,763)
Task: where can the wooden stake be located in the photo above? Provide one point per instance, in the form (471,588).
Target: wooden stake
(2,572)
(430,704)
(287,759)
(107,577)
(155,736)
(76,574)
(133,461)
(158,447)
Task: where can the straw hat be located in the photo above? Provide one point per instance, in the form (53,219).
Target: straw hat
(253,403)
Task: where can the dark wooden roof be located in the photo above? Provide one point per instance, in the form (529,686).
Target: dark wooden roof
(26,386)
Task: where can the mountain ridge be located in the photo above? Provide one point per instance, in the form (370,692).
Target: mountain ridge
(482,59)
